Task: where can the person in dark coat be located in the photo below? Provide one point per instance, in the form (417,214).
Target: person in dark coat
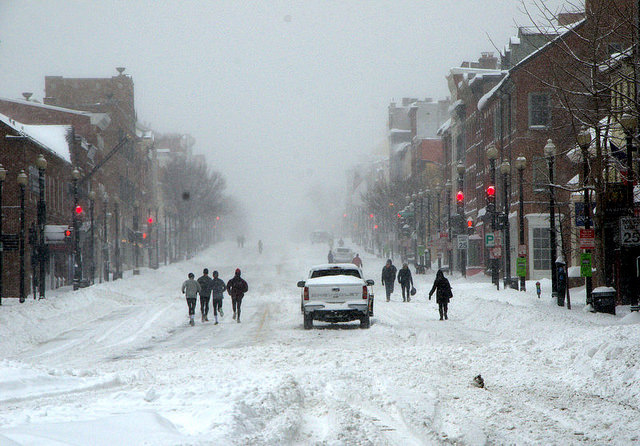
(406,282)
(191,288)
(442,287)
(206,284)
(389,277)
(330,256)
(236,288)
(218,288)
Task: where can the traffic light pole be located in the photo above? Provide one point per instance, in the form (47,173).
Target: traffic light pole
(77,260)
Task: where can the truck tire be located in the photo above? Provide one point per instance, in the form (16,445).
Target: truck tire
(308,321)
(365,321)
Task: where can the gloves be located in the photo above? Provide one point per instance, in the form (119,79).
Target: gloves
(429,296)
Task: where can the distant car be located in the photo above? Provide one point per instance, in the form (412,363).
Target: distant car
(343,255)
(321,237)
(336,293)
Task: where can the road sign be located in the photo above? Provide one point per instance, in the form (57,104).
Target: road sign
(463,241)
(521,267)
(587,238)
(495,252)
(522,250)
(630,231)
(489,240)
(585,264)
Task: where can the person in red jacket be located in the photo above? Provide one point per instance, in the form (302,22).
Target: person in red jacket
(357,261)
(236,288)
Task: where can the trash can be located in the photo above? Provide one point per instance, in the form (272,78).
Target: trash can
(603,300)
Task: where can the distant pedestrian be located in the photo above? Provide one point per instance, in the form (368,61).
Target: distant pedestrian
(442,287)
(389,277)
(236,288)
(259,246)
(191,288)
(206,284)
(218,288)
(538,289)
(357,261)
(330,256)
(406,282)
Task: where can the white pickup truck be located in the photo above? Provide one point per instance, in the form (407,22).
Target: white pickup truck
(336,292)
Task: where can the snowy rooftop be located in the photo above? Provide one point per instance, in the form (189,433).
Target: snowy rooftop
(51,137)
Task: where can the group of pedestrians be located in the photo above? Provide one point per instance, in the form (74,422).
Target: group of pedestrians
(441,286)
(213,289)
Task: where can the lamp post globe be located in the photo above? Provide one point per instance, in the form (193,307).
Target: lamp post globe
(549,149)
(520,163)
(492,152)
(629,122)
(41,162)
(584,138)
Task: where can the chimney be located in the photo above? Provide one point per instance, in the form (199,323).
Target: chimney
(488,61)
(27,95)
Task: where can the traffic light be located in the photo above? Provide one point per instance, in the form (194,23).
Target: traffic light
(78,210)
(460,202)
(491,198)
(150,220)
(470,227)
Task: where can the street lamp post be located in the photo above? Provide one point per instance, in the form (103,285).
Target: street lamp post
(428,241)
(41,164)
(92,261)
(492,155)
(136,253)
(462,252)
(105,238)
(584,141)
(3,175)
(117,274)
(521,164)
(439,196)
(22,182)
(550,154)
(77,259)
(629,123)
(505,170)
(449,250)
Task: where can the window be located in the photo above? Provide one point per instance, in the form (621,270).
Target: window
(541,249)
(539,110)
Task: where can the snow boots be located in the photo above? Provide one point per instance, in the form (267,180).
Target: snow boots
(234,316)
(191,321)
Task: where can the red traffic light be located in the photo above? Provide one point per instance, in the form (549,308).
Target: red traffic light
(144,235)
(375,227)
(469,223)
(67,233)
(460,196)
(344,215)
(370,215)
(491,191)
(78,209)
(218,218)
(150,220)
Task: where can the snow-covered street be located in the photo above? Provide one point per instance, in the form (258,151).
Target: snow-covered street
(117,363)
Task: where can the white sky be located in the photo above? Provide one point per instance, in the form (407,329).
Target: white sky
(278,105)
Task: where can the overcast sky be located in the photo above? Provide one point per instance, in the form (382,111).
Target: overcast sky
(282,96)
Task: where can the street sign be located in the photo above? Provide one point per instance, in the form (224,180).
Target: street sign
(521,267)
(495,252)
(489,240)
(585,264)
(630,231)
(463,241)
(522,250)
(587,238)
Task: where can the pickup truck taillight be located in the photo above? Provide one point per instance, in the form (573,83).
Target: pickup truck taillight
(305,293)
(365,293)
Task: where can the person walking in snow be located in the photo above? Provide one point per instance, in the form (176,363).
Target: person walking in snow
(206,284)
(330,256)
(389,277)
(236,288)
(357,261)
(259,246)
(406,282)
(442,287)
(218,288)
(191,288)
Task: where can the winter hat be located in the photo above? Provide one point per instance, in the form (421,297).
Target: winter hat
(237,271)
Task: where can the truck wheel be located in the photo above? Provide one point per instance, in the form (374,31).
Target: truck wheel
(365,321)
(308,321)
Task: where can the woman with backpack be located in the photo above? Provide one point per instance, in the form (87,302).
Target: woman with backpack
(443,293)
